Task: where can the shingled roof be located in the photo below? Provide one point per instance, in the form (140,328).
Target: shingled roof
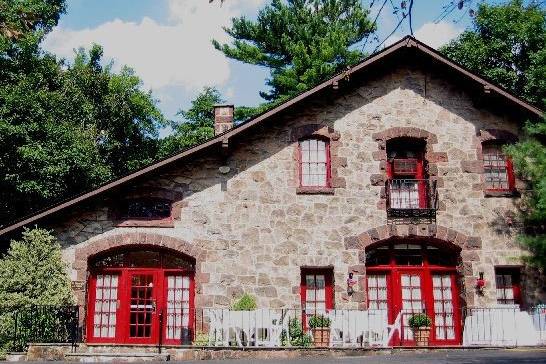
(376,58)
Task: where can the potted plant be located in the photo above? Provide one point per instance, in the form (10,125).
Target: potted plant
(320,325)
(420,325)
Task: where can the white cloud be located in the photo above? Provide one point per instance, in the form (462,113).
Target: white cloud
(179,53)
(433,35)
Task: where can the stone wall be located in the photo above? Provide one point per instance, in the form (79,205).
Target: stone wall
(254,229)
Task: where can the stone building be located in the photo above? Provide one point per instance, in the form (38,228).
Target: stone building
(384,187)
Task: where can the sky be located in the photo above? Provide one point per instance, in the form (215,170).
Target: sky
(168,42)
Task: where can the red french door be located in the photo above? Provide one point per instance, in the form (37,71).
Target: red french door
(141,305)
(410,281)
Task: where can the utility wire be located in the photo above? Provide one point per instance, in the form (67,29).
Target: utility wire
(374,22)
(404,15)
(409,13)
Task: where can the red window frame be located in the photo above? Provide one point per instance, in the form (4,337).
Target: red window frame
(394,173)
(327,163)
(426,271)
(508,279)
(328,274)
(491,155)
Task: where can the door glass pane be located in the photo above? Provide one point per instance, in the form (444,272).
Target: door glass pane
(178,309)
(411,300)
(377,291)
(142,306)
(444,324)
(104,320)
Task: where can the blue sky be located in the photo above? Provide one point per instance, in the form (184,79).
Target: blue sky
(167,42)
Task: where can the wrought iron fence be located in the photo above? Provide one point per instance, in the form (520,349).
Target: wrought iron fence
(20,326)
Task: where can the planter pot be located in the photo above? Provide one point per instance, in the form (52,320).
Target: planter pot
(321,337)
(421,335)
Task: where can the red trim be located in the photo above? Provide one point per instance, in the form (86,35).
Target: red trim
(515,274)
(510,176)
(417,174)
(328,289)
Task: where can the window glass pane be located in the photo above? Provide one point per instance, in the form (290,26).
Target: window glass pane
(314,163)
(495,167)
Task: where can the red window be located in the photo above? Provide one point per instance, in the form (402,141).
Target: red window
(497,168)
(317,294)
(314,163)
(508,286)
(407,185)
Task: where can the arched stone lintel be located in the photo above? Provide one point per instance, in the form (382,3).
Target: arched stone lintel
(467,245)
(385,232)
(95,247)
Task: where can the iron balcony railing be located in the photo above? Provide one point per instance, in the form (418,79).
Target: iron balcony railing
(411,198)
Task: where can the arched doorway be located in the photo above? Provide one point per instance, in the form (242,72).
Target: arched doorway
(140,295)
(406,277)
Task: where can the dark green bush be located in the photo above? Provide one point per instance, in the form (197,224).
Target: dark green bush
(419,320)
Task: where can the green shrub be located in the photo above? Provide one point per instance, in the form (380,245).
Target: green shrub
(419,320)
(201,339)
(295,335)
(35,286)
(245,303)
(319,321)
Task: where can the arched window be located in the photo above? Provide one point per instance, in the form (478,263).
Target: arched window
(405,277)
(497,168)
(314,159)
(131,291)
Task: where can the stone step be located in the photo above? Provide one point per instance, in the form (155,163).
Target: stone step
(127,357)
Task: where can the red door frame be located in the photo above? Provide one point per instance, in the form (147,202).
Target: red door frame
(426,271)
(123,303)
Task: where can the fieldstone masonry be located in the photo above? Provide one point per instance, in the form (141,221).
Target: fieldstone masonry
(249,230)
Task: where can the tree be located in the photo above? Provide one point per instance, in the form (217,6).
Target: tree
(198,124)
(65,128)
(507,45)
(529,157)
(33,273)
(19,19)
(302,42)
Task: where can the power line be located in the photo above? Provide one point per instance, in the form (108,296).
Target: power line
(374,22)
(410,21)
(404,15)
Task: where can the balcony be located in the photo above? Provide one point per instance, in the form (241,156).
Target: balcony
(411,200)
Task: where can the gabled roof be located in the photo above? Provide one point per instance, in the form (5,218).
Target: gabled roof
(404,43)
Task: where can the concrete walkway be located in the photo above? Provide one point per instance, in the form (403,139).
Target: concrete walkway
(486,356)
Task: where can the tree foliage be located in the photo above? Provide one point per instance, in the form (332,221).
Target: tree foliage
(302,42)
(33,273)
(198,124)
(507,45)
(529,157)
(65,128)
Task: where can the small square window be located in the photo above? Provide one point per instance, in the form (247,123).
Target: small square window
(507,281)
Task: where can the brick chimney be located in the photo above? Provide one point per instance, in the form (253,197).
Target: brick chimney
(223,118)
